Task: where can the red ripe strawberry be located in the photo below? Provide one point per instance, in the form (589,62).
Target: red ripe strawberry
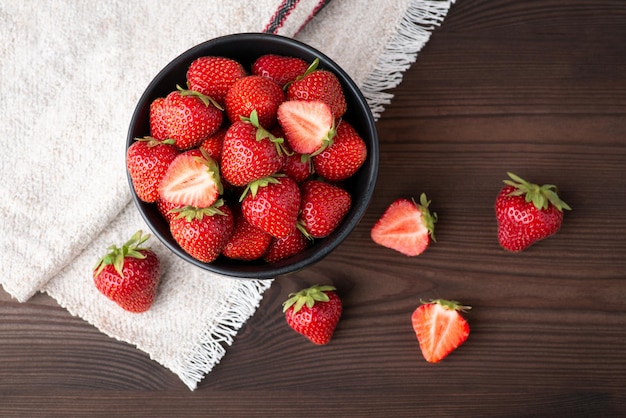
(323,207)
(213,76)
(147,160)
(254,92)
(191,118)
(343,157)
(214,143)
(247,242)
(158,120)
(165,208)
(282,248)
(309,126)
(249,152)
(129,276)
(272,204)
(440,328)
(191,179)
(527,213)
(319,85)
(297,166)
(203,232)
(406,226)
(314,313)
(281,69)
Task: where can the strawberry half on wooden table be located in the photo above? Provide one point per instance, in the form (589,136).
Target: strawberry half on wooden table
(527,213)
(440,328)
(406,226)
(314,312)
(130,275)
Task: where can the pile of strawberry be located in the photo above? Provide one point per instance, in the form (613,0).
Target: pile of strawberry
(249,164)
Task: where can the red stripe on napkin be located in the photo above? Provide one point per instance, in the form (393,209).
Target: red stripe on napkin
(278,19)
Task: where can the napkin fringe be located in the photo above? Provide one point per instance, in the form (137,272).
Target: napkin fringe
(414,30)
(233,313)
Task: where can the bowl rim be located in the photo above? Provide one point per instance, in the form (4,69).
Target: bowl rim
(268,270)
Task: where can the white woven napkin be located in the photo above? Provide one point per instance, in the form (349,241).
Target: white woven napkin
(71,74)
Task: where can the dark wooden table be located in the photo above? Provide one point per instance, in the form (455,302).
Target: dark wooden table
(537,88)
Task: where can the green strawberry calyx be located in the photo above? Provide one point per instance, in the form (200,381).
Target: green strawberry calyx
(212,168)
(207,100)
(153,142)
(541,196)
(429,218)
(452,305)
(191,212)
(262,133)
(253,187)
(116,255)
(309,70)
(307,297)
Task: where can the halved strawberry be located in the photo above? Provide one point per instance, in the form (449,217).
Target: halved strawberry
(406,226)
(309,126)
(440,328)
(191,179)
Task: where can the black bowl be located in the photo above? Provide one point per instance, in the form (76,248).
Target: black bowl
(246,48)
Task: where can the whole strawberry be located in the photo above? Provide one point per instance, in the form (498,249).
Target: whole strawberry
(147,160)
(249,152)
(343,157)
(247,242)
(292,244)
(323,207)
(129,276)
(281,69)
(158,119)
(254,92)
(272,204)
(319,85)
(440,328)
(314,313)
(190,118)
(203,232)
(213,144)
(213,76)
(527,213)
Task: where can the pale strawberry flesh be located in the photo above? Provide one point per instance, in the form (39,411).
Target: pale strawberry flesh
(308,125)
(402,228)
(189,181)
(439,330)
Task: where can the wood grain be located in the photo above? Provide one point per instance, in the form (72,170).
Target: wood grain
(537,88)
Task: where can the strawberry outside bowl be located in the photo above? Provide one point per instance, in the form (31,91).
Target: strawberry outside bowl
(246,48)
